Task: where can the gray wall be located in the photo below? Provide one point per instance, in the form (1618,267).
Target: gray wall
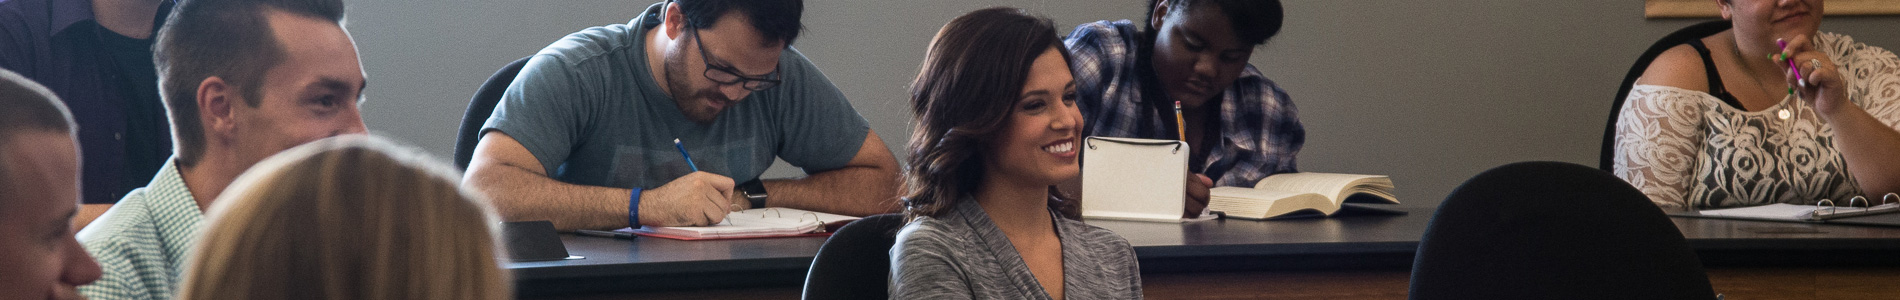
(1430,92)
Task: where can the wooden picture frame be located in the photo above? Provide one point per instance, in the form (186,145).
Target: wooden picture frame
(1707,8)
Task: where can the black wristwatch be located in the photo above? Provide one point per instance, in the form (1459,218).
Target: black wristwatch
(754,192)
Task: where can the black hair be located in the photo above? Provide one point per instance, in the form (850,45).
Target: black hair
(776,20)
(229,39)
(1254,21)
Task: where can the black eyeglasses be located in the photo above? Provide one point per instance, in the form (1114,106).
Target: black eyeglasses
(727,75)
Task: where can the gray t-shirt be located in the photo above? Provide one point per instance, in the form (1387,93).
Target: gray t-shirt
(589,109)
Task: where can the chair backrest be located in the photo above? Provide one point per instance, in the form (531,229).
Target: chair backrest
(479,108)
(1553,230)
(855,263)
(1697,31)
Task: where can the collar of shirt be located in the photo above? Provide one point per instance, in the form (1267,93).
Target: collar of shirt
(176,213)
(66,13)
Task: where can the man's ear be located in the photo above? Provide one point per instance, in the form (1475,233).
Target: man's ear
(215,97)
(675,21)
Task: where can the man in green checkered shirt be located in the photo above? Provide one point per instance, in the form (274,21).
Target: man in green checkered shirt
(242,80)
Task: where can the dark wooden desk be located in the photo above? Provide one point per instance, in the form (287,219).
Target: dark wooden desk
(648,264)
(1330,258)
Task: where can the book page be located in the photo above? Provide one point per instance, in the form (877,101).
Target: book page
(1333,186)
(1249,203)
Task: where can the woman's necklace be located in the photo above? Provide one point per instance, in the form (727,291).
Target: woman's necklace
(1787,113)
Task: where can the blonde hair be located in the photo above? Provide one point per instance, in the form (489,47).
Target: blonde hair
(352,217)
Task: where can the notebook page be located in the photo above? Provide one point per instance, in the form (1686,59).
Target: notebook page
(759,222)
(1779,211)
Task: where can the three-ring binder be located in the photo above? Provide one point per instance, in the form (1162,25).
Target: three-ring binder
(1856,206)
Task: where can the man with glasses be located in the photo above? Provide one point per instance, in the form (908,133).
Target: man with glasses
(598,129)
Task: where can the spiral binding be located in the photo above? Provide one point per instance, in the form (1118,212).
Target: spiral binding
(1858,205)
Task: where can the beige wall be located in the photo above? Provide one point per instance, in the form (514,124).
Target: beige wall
(1430,92)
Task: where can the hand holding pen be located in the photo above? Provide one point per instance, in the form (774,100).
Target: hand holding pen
(696,199)
(1811,75)
(1198,186)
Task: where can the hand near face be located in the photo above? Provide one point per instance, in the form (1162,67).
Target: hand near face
(1197,195)
(1824,87)
(697,199)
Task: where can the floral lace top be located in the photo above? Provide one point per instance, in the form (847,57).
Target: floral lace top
(1687,149)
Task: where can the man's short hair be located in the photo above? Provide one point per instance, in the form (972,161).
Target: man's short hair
(776,20)
(1254,21)
(26,106)
(229,39)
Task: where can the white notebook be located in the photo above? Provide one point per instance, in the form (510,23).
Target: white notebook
(1794,212)
(1134,179)
(757,222)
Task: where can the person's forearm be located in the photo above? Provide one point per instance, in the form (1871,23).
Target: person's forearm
(1869,147)
(521,195)
(856,191)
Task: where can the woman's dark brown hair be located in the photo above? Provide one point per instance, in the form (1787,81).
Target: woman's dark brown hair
(969,83)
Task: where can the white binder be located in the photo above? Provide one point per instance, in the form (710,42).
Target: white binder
(1134,179)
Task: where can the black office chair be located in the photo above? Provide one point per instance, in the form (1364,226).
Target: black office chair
(479,108)
(855,263)
(1552,230)
(1697,31)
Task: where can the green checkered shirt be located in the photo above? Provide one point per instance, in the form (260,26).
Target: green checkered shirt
(141,243)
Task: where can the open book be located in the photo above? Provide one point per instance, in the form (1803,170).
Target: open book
(1301,195)
(754,223)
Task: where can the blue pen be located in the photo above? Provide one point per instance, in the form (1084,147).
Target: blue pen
(689,158)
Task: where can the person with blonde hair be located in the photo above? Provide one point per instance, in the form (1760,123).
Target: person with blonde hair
(352,217)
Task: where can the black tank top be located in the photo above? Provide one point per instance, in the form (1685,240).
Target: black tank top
(1715,80)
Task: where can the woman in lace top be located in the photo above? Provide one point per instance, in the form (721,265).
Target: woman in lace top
(1738,119)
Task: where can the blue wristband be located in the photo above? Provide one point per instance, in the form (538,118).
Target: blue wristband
(633,209)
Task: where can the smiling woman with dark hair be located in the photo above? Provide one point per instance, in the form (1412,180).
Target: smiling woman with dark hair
(997,127)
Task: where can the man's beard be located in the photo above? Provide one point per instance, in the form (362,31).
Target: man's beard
(691,102)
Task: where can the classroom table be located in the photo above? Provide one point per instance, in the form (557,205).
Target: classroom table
(1364,257)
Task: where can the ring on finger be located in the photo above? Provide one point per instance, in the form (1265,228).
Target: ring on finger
(1814,65)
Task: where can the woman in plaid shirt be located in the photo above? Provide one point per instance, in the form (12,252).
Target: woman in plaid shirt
(1240,126)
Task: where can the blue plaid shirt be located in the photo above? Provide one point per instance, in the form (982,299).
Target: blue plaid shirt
(1260,131)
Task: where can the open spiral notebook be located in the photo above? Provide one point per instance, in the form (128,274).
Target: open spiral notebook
(1856,211)
(754,223)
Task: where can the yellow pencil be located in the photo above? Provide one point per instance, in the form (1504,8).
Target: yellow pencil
(1180,125)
